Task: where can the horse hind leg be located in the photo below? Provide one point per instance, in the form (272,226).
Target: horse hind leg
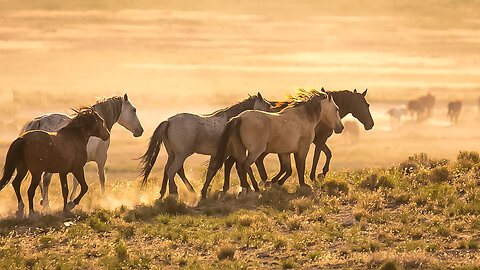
(80,175)
(184,178)
(101,176)
(163,189)
(172,171)
(44,201)
(36,177)
(74,188)
(17,182)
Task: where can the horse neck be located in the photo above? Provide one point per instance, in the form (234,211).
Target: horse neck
(109,110)
(236,109)
(301,112)
(77,133)
(342,99)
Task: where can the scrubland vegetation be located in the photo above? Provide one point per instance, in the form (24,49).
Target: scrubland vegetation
(423,213)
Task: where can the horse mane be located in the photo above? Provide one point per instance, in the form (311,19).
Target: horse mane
(223,110)
(81,117)
(306,98)
(109,109)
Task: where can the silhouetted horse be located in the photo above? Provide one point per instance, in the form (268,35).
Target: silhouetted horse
(60,152)
(292,130)
(454,108)
(186,133)
(421,107)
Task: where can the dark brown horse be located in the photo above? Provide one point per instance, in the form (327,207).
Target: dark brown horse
(62,152)
(454,108)
(347,102)
(422,107)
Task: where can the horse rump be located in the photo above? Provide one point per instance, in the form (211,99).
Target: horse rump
(14,155)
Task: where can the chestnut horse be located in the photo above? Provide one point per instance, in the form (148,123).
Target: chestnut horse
(60,152)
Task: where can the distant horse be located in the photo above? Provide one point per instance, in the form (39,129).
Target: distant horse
(292,130)
(186,133)
(113,110)
(351,131)
(396,114)
(421,107)
(62,152)
(454,108)
(347,101)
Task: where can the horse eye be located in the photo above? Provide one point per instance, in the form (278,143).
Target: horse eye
(134,109)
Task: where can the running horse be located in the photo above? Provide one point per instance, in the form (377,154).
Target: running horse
(60,152)
(113,110)
(185,134)
(349,102)
(291,130)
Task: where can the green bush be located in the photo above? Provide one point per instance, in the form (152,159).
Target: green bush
(336,187)
(440,175)
(226,252)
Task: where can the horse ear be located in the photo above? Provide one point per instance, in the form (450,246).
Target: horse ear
(355,90)
(364,92)
(259,95)
(323,90)
(125,97)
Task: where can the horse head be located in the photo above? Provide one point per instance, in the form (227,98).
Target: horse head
(330,114)
(128,118)
(361,109)
(262,104)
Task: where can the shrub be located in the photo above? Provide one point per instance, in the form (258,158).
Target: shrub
(287,264)
(275,197)
(466,160)
(245,220)
(121,251)
(47,241)
(440,175)
(373,182)
(335,187)
(226,252)
(294,223)
(301,204)
(390,265)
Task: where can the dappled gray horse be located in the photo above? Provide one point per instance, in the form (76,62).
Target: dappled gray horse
(113,110)
(186,133)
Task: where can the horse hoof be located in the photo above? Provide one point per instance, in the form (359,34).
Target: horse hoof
(33,215)
(321,176)
(19,213)
(268,184)
(305,186)
(69,206)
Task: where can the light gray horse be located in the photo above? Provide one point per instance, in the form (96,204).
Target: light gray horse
(186,133)
(113,110)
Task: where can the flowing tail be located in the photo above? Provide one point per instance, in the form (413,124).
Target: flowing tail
(221,154)
(148,159)
(14,155)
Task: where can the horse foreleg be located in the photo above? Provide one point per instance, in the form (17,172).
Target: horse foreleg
(74,188)
(316,157)
(252,179)
(80,175)
(101,175)
(36,177)
(286,165)
(64,184)
(300,163)
(17,182)
(261,167)
(328,155)
(47,178)
(184,178)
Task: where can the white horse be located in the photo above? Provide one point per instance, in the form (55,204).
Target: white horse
(396,114)
(113,110)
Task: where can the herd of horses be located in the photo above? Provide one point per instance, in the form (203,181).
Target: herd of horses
(241,134)
(421,109)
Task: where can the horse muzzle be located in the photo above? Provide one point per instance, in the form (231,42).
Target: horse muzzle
(368,127)
(138,132)
(338,129)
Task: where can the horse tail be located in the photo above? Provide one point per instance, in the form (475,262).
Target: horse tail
(14,155)
(148,159)
(221,154)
